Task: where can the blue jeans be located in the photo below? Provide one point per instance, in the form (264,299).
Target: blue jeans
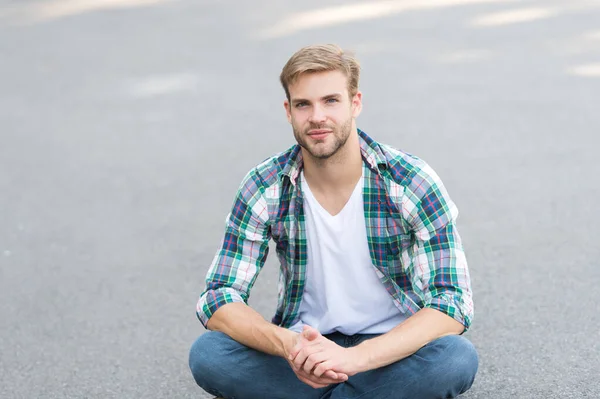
(444,368)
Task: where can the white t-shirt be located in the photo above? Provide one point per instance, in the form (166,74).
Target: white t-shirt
(342,291)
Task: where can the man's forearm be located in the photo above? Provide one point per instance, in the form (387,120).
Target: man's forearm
(248,327)
(405,339)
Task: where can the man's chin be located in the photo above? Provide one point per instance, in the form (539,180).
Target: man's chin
(318,150)
(321,154)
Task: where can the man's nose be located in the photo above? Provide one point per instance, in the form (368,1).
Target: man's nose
(317,115)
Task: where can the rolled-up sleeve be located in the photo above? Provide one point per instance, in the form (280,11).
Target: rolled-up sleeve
(439,261)
(242,253)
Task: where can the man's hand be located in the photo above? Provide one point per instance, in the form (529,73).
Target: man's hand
(317,356)
(326,377)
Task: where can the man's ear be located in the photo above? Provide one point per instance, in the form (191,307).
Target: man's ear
(356,104)
(288,111)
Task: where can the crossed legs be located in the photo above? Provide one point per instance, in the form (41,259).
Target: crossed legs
(223,367)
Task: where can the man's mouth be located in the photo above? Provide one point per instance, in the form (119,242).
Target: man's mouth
(318,134)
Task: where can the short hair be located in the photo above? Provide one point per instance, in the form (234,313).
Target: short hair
(321,58)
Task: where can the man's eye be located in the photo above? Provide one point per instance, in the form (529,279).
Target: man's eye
(332,100)
(300,105)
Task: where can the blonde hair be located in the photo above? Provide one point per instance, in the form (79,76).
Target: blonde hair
(321,58)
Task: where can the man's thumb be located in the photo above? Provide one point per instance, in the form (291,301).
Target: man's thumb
(310,333)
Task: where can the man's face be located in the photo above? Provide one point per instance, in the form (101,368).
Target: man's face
(321,112)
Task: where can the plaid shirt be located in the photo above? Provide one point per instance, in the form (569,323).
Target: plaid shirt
(414,245)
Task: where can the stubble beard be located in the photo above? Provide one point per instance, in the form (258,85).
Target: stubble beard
(319,150)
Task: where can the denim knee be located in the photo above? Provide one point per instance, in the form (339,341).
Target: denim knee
(204,359)
(460,360)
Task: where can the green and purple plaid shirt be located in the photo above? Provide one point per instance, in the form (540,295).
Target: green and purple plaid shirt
(411,230)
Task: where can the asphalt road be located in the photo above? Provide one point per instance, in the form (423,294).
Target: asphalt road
(126,126)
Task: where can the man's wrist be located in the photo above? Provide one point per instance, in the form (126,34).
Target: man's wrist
(362,357)
(287,340)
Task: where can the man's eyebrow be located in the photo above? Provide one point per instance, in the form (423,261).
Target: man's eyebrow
(333,95)
(299,100)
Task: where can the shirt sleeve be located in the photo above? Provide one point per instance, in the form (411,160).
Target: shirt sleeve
(242,253)
(438,256)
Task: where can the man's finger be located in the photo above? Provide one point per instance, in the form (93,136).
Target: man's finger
(304,354)
(313,360)
(332,375)
(301,342)
(312,383)
(311,379)
(323,380)
(306,378)
(299,346)
(324,370)
(328,373)
(317,380)
(332,378)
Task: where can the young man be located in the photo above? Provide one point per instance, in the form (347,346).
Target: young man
(374,290)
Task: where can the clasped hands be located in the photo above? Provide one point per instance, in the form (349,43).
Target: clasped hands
(319,362)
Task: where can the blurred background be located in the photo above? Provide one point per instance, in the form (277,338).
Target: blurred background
(127,125)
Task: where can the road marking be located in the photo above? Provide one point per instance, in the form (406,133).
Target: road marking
(587,70)
(330,16)
(514,16)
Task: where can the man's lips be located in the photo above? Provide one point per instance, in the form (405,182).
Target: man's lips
(318,134)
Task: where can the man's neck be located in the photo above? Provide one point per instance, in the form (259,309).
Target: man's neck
(338,172)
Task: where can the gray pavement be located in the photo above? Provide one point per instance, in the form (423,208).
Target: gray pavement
(126,126)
